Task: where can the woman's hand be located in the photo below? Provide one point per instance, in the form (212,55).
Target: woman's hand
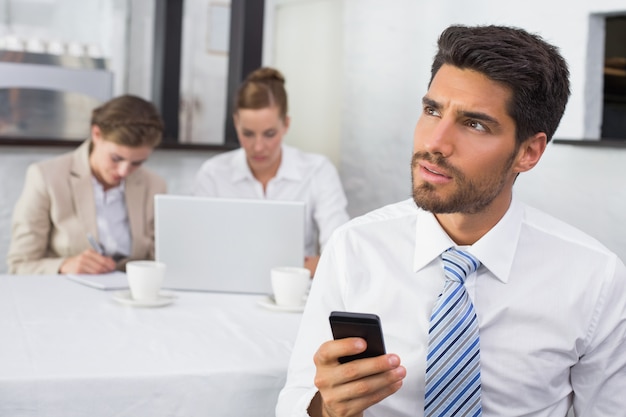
(310,263)
(87,262)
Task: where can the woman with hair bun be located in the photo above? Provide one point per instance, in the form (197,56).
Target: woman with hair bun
(91,210)
(265,168)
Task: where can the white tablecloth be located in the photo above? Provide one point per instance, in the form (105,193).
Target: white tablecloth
(70,350)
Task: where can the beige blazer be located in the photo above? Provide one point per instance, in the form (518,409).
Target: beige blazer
(57,210)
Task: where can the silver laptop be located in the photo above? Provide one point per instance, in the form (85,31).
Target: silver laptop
(226,245)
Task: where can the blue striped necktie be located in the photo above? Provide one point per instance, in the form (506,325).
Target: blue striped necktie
(453,361)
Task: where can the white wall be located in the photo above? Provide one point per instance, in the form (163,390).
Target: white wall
(382,80)
(582,186)
(314,79)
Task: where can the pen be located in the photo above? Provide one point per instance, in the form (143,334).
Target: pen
(94,244)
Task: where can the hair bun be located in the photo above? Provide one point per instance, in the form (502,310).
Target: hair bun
(263,87)
(265,74)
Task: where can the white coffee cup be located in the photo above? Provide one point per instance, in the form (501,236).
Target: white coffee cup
(290,285)
(145,279)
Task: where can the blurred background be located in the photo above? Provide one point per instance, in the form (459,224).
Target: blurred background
(356,71)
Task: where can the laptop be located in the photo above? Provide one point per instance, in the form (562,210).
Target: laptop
(226,245)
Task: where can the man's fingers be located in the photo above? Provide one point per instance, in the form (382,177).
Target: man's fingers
(357,395)
(332,350)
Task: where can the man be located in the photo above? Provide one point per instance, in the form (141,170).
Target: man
(544,320)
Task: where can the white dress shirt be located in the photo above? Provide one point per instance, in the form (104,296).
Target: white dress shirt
(550,300)
(112,219)
(306,177)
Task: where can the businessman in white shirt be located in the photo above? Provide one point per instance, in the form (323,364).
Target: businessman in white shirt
(547,302)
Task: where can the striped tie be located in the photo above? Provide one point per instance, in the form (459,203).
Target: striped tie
(453,361)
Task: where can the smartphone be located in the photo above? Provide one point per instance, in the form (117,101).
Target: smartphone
(367,326)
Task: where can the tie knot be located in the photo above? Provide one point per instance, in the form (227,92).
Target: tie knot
(458,264)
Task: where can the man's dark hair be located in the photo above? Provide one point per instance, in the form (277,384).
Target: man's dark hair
(532,69)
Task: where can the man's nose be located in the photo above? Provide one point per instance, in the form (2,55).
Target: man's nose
(440,139)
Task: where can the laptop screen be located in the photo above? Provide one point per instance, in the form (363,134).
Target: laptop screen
(226,245)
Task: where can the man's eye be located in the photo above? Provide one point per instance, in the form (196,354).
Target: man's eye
(430,111)
(270,134)
(116,158)
(477,126)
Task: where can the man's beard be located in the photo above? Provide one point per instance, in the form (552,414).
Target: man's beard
(470,196)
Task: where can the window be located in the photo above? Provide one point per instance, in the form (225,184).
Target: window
(614,90)
(109,54)
(200,65)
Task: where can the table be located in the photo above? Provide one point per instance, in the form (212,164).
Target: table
(70,350)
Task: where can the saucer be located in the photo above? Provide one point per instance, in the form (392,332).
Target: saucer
(165,298)
(269,303)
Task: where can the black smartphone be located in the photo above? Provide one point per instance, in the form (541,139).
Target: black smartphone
(367,326)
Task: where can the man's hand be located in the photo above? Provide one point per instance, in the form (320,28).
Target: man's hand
(87,262)
(346,390)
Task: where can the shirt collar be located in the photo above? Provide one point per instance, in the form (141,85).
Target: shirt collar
(495,250)
(289,166)
(430,239)
(111,192)
(240,169)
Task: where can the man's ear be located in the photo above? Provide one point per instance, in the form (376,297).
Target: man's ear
(530,152)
